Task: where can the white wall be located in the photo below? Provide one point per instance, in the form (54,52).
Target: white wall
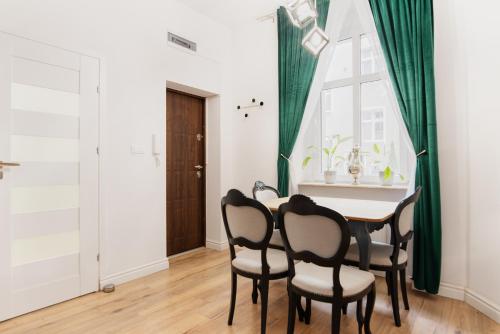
(451,99)
(130,38)
(467,63)
(255,76)
(483,64)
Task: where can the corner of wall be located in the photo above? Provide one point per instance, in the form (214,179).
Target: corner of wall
(217,245)
(483,305)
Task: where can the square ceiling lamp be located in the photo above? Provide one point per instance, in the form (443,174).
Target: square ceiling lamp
(315,40)
(301,12)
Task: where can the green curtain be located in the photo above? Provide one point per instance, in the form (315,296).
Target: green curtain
(296,72)
(406,32)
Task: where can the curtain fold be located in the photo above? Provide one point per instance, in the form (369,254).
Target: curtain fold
(296,71)
(406,33)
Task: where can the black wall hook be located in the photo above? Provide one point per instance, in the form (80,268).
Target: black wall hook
(254,104)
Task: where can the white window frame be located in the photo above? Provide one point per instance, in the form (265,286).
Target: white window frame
(356,80)
(372,123)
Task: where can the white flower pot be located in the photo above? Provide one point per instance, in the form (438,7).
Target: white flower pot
(386,181)
(330,176)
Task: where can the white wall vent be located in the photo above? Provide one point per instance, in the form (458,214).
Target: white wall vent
(185,43)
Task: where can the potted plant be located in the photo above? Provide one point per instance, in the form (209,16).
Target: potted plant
(384,161)
(333,160)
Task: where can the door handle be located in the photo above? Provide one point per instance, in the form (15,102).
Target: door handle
(9,164)
(198,167)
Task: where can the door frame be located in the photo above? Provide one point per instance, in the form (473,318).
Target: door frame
(204,186)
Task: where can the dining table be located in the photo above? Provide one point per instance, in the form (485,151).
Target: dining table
(363,217)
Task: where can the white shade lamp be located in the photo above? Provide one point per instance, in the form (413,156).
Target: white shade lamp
(315,40)
(301,12)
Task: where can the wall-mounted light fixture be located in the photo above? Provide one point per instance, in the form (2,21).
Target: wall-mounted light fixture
(301,12)
(315,40)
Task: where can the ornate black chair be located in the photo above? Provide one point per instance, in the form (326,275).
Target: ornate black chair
(392,258)
(262,193)
(249,224)
(319,238)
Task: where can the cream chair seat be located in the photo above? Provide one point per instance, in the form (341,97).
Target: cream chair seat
(249,260)
(276,239)
(318,280)
(380,254)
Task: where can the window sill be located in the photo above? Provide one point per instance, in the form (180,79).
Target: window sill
(350,185)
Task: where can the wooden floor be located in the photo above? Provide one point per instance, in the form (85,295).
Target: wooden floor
(193,297)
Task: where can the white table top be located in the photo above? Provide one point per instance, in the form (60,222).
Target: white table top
(352,209)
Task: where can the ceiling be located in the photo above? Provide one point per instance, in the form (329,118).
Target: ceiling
(233,13)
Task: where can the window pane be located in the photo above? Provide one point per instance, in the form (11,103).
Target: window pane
(337,120)
(369,62)
(341,65)
(379,127)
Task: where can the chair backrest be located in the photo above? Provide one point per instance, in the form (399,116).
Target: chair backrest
(262,193)
(248,222)
(403,217)
(313,233)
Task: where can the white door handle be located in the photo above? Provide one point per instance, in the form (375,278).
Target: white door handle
(6,164)
(9,164)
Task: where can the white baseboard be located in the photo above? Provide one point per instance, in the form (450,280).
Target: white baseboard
(217,245)
(134,273)
(475,300)
(452,291)
(483,305)
(171,257)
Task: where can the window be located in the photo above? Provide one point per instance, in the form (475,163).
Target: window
(355,103)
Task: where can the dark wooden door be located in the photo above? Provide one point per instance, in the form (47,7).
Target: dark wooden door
(185,172)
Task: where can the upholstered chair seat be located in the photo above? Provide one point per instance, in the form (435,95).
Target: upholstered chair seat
(318,280)
(250,261)
(276,240)
(380,254)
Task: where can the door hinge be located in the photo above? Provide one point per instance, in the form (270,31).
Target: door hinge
(97,150)
(98,257)
(98,89)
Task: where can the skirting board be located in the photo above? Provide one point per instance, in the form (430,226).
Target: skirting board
(479,302)
(220,246)
(134,273)
(452,291)
(483,305)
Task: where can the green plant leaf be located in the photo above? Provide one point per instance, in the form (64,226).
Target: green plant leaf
(327,151)
(306,161)
(334,149)
(387,173)
(401,177)
(376,148)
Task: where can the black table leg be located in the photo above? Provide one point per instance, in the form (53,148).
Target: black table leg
(362,235)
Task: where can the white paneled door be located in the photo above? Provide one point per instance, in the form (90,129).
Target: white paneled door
(49,108)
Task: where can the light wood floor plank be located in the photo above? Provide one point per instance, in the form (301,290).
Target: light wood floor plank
(193,297)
